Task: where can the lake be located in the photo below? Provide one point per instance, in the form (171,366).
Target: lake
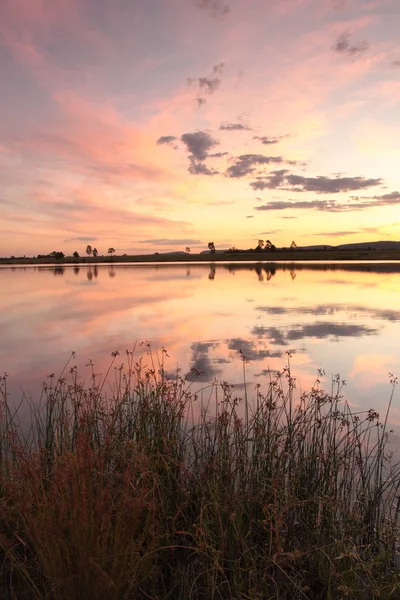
(342,318)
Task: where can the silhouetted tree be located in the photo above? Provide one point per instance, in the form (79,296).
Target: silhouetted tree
(95,253)
(111,251)
(211,247)
(293,245)
(89,250)
(188,249)
(55,254)
(268,244)
(75,254)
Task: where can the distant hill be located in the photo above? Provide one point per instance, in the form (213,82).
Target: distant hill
(316,247)
(370,245)
(173,252)
(381,245)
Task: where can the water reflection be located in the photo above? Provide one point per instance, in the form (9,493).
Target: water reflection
(342,318)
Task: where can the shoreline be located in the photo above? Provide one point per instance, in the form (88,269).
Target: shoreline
(270,256)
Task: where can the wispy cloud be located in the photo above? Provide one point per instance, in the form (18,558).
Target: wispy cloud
(171,241)
(207,85)
(234,127)
(343,45)
(216,8)
(332,205)
(336,233)
(267,141)
(82,239)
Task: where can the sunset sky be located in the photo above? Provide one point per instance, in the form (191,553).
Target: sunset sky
(152,125)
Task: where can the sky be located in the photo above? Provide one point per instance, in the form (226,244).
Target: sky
(156,125)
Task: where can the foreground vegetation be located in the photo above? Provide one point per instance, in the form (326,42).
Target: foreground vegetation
(133,486)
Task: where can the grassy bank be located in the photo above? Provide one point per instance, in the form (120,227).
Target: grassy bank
(279,255)
(133,486)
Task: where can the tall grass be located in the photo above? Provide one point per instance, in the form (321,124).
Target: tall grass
(132,485)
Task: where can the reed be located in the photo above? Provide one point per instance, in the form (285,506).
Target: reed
(133,485)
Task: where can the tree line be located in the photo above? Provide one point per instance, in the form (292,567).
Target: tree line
(262,246)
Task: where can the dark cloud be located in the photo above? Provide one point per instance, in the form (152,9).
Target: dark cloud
(218,69)
(270,310)
(267,140)
(319,185)
(198,144)
(245,164)
(199,168)
(249,350)
(274,180)
(332,205)
(218,154)
(344,46)
(234,127)
(166,139)
(326,205)
(393,196)
(82,239)
(330,185)
(396,63)
(167,241)
(250,217)
(209,84)
(202,368)
(217,8)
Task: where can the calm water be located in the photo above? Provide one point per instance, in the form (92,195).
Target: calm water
(343,319)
